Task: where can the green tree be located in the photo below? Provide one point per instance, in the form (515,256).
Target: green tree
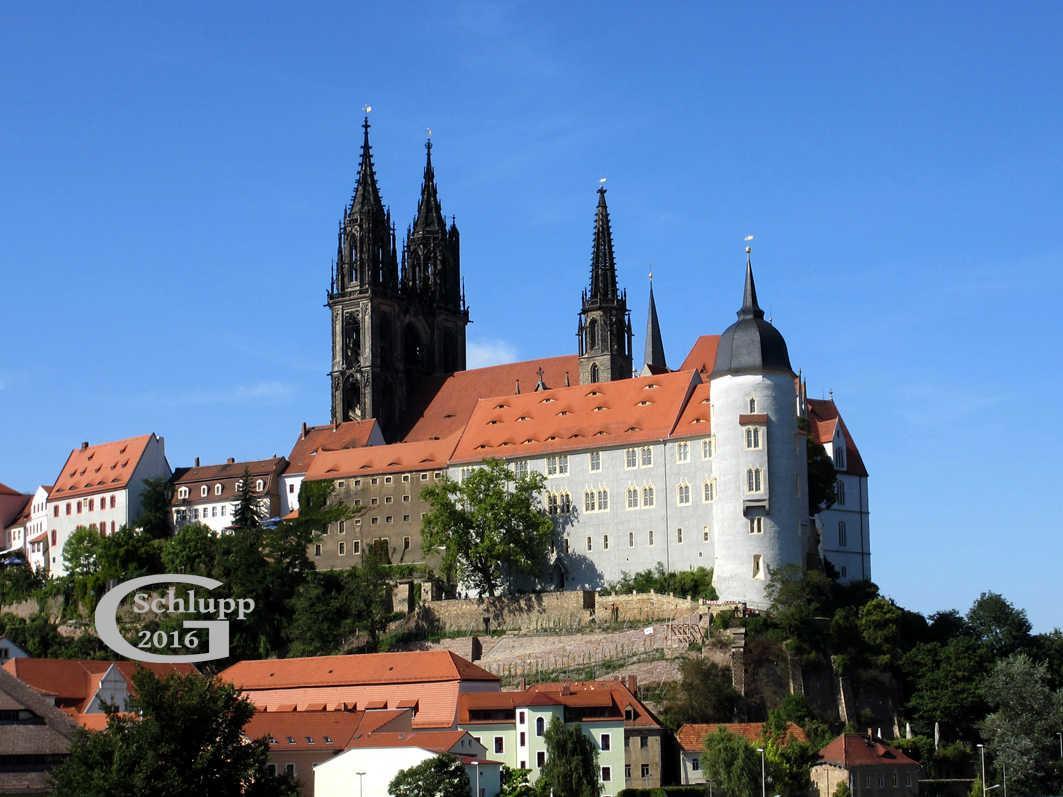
(155,518)
(800,603)
(1020,731)
(370,595)
(183,739)
(822,479)
(191,550)
(842,790)
(441,776)
(943,684)
(247,512)
(696,583)
(571,768)
(704,693)
(1001,626)
(879,623)
(491,526)
(515,783)
(731,765)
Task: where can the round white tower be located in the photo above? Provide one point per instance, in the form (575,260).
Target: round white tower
(760,513)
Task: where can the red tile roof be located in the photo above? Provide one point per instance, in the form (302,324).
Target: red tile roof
(339,726)
(434,741)
(695,421)
(854,750)
(606,413)
(99,468)
(423,455)
(74,682)
(691,736)
(702,356)
(5,490)
(573,694)
(360,669)
(824,418)
(314,439)
(454,401)
(621,695)
(228,470)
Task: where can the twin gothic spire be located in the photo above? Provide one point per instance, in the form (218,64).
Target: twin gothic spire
(367,257)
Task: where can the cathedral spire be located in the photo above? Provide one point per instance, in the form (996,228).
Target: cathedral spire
(603,263)
(429,211)
(654,356)
(366,192)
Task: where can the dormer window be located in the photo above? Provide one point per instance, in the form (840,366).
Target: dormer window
(259,486)
(548,400)
(203,491)
(182,492)
(839,455)
(239,485)
(217,489)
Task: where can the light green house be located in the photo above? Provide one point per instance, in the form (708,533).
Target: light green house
(512,726)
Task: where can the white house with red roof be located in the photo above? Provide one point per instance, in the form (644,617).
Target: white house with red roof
(314,440)
(29,532)
(100,487)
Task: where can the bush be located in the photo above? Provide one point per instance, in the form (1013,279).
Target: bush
(693,584)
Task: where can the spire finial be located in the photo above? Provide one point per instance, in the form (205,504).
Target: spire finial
(366,109)
(428,141)
(750,307)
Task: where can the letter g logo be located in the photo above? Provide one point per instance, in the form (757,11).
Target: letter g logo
(107,622)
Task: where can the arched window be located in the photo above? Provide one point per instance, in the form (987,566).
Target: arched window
(540,726)
(754,480)
(594,372)
(843,537)
(592,334)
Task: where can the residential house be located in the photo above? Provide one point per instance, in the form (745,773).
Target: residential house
(9,650)
(100,487)
(208,494)
(868,765)
(12,506)
(36,737)
(692,737)
(300,740)
(372,761)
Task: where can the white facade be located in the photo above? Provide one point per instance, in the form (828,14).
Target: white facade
(217,514)
(339,776)
(761,508)
(845,528)
(106,510)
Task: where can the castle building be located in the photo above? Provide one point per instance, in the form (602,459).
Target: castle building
(701,466)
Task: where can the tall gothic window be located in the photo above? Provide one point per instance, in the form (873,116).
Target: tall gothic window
(594,372)
(592,335)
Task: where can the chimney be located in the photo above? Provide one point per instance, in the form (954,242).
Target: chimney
(230,461)
(632,683)
(523,684)
(197,462)
(304,430)
(84,444)
(566,688)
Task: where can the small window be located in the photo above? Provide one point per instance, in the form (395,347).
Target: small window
(343,549)
(540,726)
(540,759)
(839,492)
(291,488)
(758,567)
(289,770)
(605,542)
(708,491)
(387,480)
(695,764)
(342,527)
(752,405)
(705,534)
(754,480)
(753,437)
(683,494)
(607,774)
(259,485)
(590,544)
(606,741)
(523,741)
(632,497)
(646,457)
(650,539)
(631,458)
(356,547)
(317,549)
(406,543)
(217,489)
(203,491)
(596,461)
(682,452)
(424,477)
(756,525)
(679,536)
(648,496)
(843,537)
(631,539)
(707,446)
(500,744)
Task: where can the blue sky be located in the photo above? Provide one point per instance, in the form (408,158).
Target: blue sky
(173,176)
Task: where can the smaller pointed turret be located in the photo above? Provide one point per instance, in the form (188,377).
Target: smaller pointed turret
(654,360)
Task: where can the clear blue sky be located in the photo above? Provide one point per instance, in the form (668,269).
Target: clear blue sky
(172,179)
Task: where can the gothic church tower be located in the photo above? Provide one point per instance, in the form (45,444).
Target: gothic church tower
(604,320)
(393,336)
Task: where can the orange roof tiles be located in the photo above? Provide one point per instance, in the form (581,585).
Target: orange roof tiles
(695,419)
(422,455)
(364,668)
(852,749)
(824,418)
(454,401)
(328,730)
(702,355)
(75,681)
(691,737)
(582,416)
(228,470)
(574,694)
(434,741)
(99,468)
(315,439)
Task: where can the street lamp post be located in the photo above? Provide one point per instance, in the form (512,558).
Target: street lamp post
(981,749)
(763,781)
(476,769)
(360,775)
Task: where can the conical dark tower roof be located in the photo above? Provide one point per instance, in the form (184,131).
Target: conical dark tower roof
(751,344)
(654,356)
(429,210)
(603,263)
(366,198)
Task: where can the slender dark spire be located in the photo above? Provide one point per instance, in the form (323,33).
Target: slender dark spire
(750,308)
(429,211)
(603,264)
(366,192)
(654,355)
